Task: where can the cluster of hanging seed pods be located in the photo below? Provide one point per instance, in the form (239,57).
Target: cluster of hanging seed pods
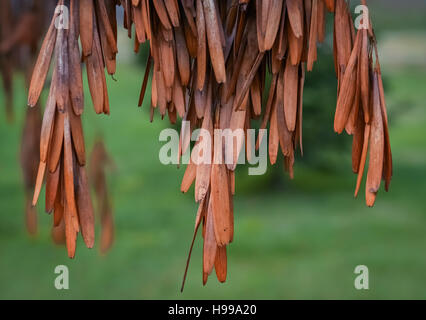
(210,62)
(22,25)
(361,107)
(62,150)
(99,161)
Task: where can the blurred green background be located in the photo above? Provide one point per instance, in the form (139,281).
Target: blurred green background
(299,239)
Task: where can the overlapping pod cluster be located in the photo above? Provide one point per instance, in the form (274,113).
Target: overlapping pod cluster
(99,161)
(361,106)
(62,150)
(212,61)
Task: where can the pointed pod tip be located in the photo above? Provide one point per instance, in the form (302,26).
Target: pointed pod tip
(90,244)
(338,130)
(370,199)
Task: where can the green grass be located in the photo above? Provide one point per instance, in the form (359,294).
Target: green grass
(300,239)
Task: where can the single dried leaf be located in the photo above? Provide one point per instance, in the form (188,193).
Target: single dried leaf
(347,91)
(220,263)
(85,208)
(375,168)
(210,246)
(42,65)
(214,40)
(291,84)
(220,203)
(86,26)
